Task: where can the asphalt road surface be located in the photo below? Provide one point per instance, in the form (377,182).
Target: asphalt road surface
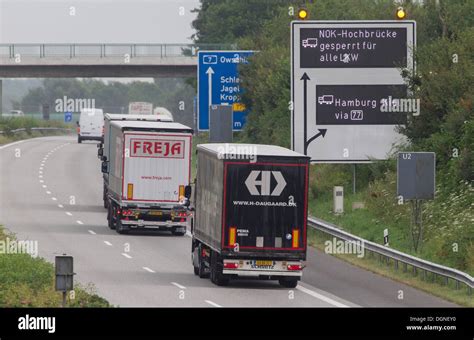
(51,191)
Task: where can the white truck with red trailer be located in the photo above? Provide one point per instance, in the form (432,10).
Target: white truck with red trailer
(149,173)
(251,209)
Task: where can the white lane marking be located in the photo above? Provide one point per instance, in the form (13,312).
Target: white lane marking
(48,192)
(178,285)
(41,181)
(212,303)
(40,176)
(320,296)
(11,144)
(44,186)
(126,255)
(92,232)
(40,172)
(41,168)
(60,206)
(148,269)
(68,213)
(79,222)
(54,198)
(108,243)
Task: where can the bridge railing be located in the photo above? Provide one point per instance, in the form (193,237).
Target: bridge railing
(107,50)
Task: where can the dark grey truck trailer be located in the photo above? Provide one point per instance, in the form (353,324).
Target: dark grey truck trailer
(251,205)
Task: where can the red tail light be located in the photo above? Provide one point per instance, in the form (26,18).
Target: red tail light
(182,214)
(231,265)
(127,213)
(294,267)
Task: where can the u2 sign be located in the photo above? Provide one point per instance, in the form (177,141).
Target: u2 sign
(416,174)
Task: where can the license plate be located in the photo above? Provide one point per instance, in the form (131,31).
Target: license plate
(155,213)
(263,263)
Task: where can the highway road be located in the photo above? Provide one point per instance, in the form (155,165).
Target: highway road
(52,192)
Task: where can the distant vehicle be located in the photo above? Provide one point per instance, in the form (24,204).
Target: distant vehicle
(250,215)
(140,108)
(310,42)
(326,99)
(162,111)
(103,151)
(149,170)
(14,113)
(90,125)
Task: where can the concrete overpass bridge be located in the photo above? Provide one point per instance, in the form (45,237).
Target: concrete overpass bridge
(100,60)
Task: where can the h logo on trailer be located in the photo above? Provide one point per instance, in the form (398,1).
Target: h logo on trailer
(265,183)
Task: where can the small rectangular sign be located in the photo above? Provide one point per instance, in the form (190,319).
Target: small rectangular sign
(220,124)
(416,175)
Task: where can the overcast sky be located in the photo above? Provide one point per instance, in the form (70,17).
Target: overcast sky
(96,21)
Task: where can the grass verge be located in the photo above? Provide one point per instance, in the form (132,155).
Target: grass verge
(9,124)
(29,282)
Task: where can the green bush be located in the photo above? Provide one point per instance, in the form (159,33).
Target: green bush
(324,177)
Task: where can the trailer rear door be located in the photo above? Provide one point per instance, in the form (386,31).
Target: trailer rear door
(265,206)
(156,165)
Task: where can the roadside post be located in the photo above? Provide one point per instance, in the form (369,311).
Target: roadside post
(64,275)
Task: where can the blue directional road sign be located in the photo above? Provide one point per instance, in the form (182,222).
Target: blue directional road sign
(219,84)
(67,117)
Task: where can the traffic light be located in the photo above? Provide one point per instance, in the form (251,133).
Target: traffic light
(303,13)
(401,14)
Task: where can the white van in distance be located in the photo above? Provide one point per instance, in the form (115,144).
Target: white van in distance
(90,125)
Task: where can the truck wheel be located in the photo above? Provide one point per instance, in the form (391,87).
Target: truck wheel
(110,214)
(288,283)
(216,272)
(120,229)
(202,267)
(196,270)
(178,233)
